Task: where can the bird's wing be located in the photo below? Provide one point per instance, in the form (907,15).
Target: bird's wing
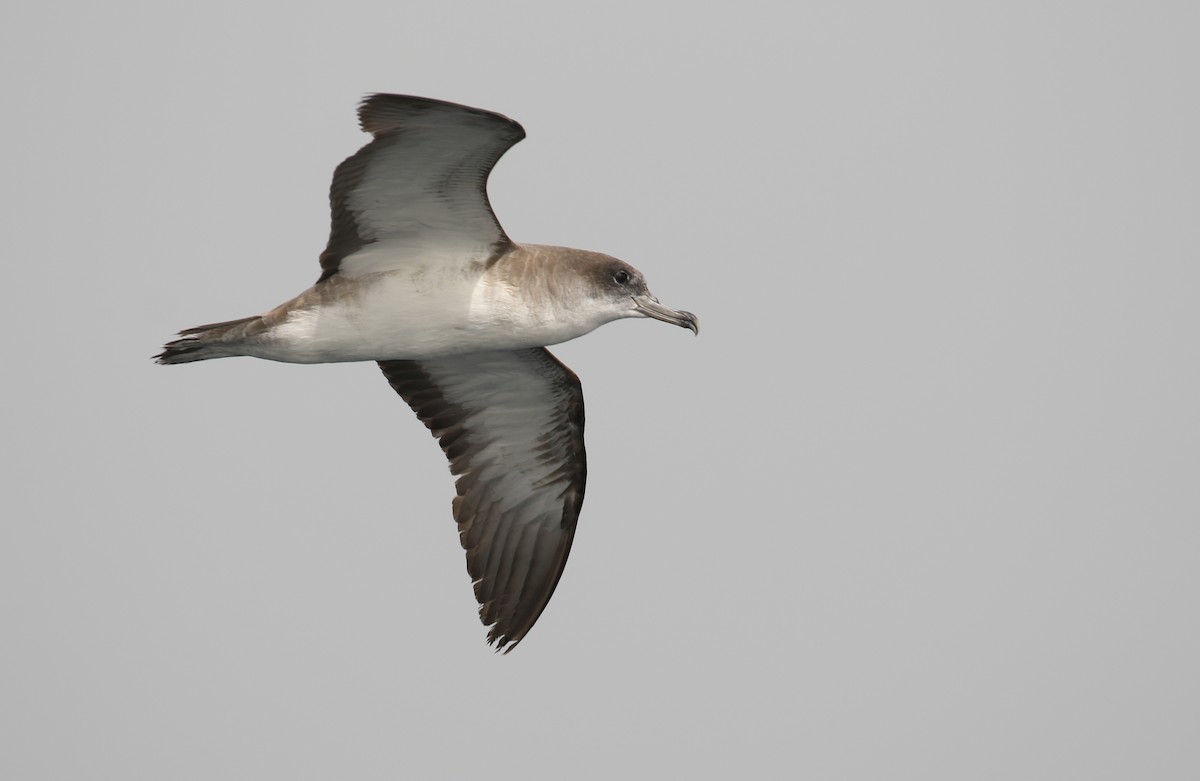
(511,424)
(419,188)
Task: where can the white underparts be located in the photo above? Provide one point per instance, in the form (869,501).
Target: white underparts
(436,308)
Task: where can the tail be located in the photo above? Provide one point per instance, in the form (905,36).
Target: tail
(215,340)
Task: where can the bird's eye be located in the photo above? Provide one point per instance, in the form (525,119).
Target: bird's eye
(621,276)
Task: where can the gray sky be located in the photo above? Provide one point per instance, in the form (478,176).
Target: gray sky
(921,501)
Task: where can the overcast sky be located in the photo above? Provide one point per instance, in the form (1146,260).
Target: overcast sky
(922,501)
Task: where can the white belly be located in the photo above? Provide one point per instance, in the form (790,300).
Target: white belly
(405,315)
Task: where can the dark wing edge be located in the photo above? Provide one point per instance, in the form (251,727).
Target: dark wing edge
(386,117)
(515,563)
(384,112)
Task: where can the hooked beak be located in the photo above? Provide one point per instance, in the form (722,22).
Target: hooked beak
(649,306)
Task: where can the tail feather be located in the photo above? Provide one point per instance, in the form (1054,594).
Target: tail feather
(215,340)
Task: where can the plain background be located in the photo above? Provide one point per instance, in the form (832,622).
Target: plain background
(920,502)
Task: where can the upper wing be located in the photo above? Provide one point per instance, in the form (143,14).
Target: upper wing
(420,185)
(511,424)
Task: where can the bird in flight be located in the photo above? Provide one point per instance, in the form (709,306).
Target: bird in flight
(419,276)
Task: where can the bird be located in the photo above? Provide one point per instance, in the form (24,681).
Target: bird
(419,276)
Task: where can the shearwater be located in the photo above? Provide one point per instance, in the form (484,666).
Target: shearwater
(419,276)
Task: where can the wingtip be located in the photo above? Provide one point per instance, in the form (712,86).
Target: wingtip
(382,112)
(502,642)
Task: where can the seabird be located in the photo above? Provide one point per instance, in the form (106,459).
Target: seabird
(419,276)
